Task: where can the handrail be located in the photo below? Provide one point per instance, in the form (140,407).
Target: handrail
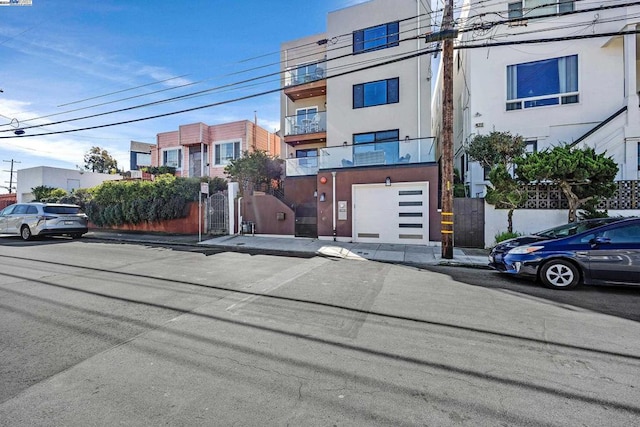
(598,126)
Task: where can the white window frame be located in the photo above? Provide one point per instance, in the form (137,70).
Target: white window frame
(226,142)
(179,157)
(566,97)
(530,9)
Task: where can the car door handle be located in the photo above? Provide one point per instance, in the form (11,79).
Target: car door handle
(582,253)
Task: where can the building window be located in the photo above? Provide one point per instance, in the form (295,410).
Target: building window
(143,159)
(172,158)
(639,156)
(225,152)
(308,158)
(307,73)
(531,146)
(373,142)
(306,120)
(540,83)
(533,8)
(375,38)
(376,93)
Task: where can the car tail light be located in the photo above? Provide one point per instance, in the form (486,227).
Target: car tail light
(45,217)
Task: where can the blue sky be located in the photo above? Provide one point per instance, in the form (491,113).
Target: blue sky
(55,55)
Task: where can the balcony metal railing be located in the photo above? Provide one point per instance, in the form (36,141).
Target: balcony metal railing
(304,74)
(305,124)
(379,153)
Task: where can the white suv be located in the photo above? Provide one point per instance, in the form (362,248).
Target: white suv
(40,219)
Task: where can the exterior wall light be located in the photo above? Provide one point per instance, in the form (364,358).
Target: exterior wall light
(387,181)
(323,197)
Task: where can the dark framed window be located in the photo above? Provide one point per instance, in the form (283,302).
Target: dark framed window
(308,157)
(386,141)
(531,146)
(376,93)
(376,38)
(548,82)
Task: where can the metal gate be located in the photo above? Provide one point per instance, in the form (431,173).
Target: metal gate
(218,213)
(468,222)
(306,220)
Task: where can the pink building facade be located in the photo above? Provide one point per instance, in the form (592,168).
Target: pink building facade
(200,150)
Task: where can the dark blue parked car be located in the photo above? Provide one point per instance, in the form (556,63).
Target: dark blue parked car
(609,254)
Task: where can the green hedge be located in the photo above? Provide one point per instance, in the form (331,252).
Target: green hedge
(132,202)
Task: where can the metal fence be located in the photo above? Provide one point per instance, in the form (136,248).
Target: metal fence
(218,213)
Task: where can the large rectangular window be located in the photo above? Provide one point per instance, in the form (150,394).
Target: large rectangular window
(380,147)
(225,152)
(172,158)
(548,82)
(533,8)
(376,93)
(375,38)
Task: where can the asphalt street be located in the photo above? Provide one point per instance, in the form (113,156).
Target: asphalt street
(101,333)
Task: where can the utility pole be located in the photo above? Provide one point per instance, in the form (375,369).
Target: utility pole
(447,134)
(11,172)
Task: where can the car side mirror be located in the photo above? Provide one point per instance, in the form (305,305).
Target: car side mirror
(600,240)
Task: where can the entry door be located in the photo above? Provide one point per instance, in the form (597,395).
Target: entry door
(397,213)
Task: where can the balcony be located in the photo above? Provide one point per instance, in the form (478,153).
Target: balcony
(305,81)
(306,129)
(387,153)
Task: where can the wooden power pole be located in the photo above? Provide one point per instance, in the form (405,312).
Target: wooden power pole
(447,134)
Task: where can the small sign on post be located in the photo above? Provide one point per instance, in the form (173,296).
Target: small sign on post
(204,188)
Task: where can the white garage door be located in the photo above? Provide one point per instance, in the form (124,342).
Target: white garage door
(398,213)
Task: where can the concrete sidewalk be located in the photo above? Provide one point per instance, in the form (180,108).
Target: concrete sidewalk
(307,247)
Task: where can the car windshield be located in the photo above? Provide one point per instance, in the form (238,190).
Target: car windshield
(61,209)
(572,228)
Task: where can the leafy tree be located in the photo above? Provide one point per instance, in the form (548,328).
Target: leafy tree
(496,148)
(498,151)
(505,193)
(43,193)
(581,174)
(254,168)
(99,160)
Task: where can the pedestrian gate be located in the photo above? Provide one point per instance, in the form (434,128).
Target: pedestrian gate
(218,213)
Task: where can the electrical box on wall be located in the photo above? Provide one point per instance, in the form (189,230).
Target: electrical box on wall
(280,216)
(342,211)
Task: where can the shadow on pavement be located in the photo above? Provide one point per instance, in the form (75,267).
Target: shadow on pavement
(619,301)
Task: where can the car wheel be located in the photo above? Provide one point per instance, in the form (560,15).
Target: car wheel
(25,233)
(76,235)
(559,274)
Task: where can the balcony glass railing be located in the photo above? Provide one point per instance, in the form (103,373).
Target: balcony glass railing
(303,124)
(379,153)
(304,74)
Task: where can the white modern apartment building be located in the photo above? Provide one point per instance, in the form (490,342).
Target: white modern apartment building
(356,122)
(580,88)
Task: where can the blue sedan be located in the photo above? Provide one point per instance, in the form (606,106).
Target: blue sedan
(609,254)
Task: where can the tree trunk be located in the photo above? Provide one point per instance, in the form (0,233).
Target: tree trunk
(510,221)
(573,200)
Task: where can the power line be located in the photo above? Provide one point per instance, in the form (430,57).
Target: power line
(418,53)
(200,93)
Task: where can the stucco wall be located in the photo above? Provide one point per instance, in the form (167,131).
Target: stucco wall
(530,220)
(347,177)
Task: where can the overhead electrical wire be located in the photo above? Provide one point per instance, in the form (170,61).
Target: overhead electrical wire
(269,75)
(406,57)
(312,44)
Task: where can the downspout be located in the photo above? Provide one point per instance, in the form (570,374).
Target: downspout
(240,215)
(419,74)
(335,231)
